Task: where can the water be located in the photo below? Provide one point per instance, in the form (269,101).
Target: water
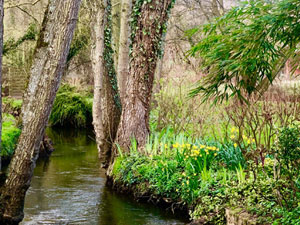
(70,188)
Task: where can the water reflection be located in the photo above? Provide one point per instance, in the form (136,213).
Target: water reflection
(69,188)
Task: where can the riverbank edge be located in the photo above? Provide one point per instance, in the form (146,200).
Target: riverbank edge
(141,193)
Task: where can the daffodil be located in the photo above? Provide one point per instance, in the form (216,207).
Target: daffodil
(235,145)
(196,152)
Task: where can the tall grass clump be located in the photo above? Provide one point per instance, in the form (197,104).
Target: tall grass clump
(71,108)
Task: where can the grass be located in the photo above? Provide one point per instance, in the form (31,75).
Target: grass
(10,135)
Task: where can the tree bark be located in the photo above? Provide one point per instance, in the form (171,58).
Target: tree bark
(1,54)
(106,105)
(123,59)
(46,71)
(115,28)
(149,24)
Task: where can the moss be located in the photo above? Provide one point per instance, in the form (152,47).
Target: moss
(117,166)
(10,135)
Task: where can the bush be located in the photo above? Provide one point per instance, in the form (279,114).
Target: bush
(71,108)
(288,149)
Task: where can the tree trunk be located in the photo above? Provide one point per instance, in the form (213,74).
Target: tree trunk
(1,54)
(106,105)
(46,71)
(115,28)
(123,59)
(149,24)
(159,66)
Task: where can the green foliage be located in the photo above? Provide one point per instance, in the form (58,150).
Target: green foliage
(288,217)
(231,156)
(10,135)
(13,104)
(71,108)
(210,176)
(288,149)
(245,49)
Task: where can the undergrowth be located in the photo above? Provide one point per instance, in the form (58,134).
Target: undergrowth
(208,177)
(10,134)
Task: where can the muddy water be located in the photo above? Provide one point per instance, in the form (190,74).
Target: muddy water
(69,188)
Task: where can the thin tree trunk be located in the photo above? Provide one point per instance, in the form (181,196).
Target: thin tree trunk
(106,105)
(46,71)
(1,54)
(150,24)
(123,59)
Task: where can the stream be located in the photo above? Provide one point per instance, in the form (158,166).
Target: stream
(69,188)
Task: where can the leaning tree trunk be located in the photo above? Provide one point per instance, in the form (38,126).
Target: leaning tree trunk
(1,54)
(48,65)
(148,26)
(123,58)
(106,105)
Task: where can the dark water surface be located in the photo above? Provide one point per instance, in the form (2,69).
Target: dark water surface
(69,188)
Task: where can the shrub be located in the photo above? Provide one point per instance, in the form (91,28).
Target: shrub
(288,149)
(71,108)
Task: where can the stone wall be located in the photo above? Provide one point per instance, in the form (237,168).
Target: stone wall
(239,217)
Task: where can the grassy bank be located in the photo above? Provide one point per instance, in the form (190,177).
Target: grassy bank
(72,107)
(10,134)
(209,177)
(209,158)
